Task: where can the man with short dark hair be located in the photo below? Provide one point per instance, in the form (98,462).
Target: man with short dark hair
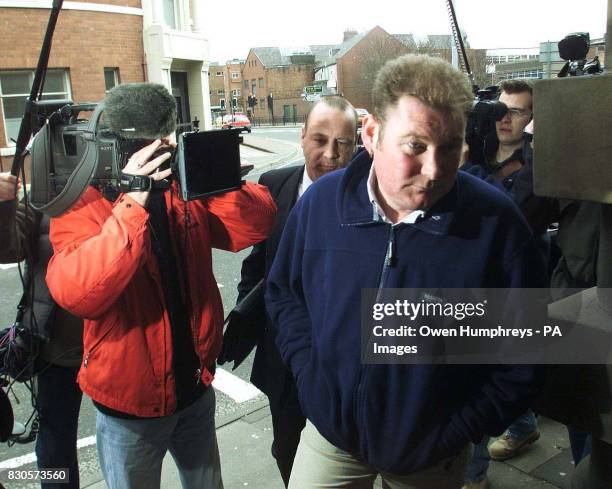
(399,216)
(328,141)
(517,96)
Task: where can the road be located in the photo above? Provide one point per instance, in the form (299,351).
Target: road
(235,396)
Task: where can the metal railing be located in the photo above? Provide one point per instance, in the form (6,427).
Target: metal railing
(277,120)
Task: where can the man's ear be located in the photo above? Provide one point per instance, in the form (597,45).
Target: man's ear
(369,133)
(302,136)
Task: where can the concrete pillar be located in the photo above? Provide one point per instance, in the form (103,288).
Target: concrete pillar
(153,12)
(207,120)
(185,12)
(196,15)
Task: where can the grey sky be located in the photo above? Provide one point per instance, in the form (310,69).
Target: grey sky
(488,24)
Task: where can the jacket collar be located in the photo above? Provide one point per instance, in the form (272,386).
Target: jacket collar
(355,209)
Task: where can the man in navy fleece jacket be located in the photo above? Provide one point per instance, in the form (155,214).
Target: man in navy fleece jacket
(400,216)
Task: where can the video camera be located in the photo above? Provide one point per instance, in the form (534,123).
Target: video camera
(573,48)
(486,110)
(70,152)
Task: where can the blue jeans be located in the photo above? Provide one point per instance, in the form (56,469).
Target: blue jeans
(131,451)
(581,444)
(59,402)
(479,464)
(523,426)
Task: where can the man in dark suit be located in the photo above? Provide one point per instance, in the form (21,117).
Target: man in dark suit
(328,141)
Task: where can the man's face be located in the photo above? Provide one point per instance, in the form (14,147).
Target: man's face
(328,140)
(510,129)
(416,159)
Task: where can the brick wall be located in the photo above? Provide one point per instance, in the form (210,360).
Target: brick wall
(235,84)
(358,67)
(287,85)
(119,3)
(254,70)
(84,43)
(216,83)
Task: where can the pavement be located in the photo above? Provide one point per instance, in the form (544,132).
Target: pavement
(246,461)
(265,152)
(245,437)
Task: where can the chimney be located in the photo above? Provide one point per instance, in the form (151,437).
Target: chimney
(348,34)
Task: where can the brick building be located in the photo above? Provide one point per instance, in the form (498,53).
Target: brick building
(233,84)
(282,73)
(358,60)
(216,86)
(350,67)
(225,84)
(98,44)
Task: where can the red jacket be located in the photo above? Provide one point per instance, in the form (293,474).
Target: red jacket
(105,271)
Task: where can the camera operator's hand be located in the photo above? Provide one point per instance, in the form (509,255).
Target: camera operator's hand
(7,186)
(139,164)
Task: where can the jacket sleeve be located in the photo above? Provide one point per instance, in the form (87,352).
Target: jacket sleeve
(253,270)
(540,212)
(17,228)
(254,265)
(95,259)
(241,218)
(508,390)
(285,300)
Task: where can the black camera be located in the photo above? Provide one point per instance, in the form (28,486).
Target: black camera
(486,110)
(70,152)
(574,48)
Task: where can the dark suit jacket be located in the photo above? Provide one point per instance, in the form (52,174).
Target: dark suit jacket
(269,372)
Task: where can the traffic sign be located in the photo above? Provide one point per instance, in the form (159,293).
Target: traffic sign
(313,90)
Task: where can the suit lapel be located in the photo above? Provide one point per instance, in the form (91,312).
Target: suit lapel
(286,197)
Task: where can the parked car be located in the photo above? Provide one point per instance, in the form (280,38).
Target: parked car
(361,113)
(236,121)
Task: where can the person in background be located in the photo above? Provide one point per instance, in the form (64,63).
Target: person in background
(24,234)
(139,270)
(328,141)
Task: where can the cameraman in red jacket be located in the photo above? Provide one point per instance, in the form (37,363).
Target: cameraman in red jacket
(139,271)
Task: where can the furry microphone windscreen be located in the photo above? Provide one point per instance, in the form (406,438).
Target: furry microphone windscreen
(140,111)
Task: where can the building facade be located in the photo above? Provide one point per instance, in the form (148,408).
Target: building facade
(98,44)
(279,75)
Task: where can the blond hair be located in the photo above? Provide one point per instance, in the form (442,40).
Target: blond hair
(431,80)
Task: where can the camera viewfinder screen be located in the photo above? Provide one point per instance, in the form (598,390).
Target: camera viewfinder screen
(211,163)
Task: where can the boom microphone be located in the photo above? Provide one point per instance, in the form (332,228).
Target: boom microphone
(140,111)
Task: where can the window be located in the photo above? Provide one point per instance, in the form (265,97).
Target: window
(236,92)
(262,103)
(254,87)
(221,92)
(111,78)
(222,103)
(15,87)
(261,84)
(219,73)
(246,83)
(170,13)
(235,75)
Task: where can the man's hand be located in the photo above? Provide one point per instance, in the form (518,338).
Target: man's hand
(8,191)
(139,164)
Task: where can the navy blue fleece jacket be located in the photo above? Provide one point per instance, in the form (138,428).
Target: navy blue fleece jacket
(398,418)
